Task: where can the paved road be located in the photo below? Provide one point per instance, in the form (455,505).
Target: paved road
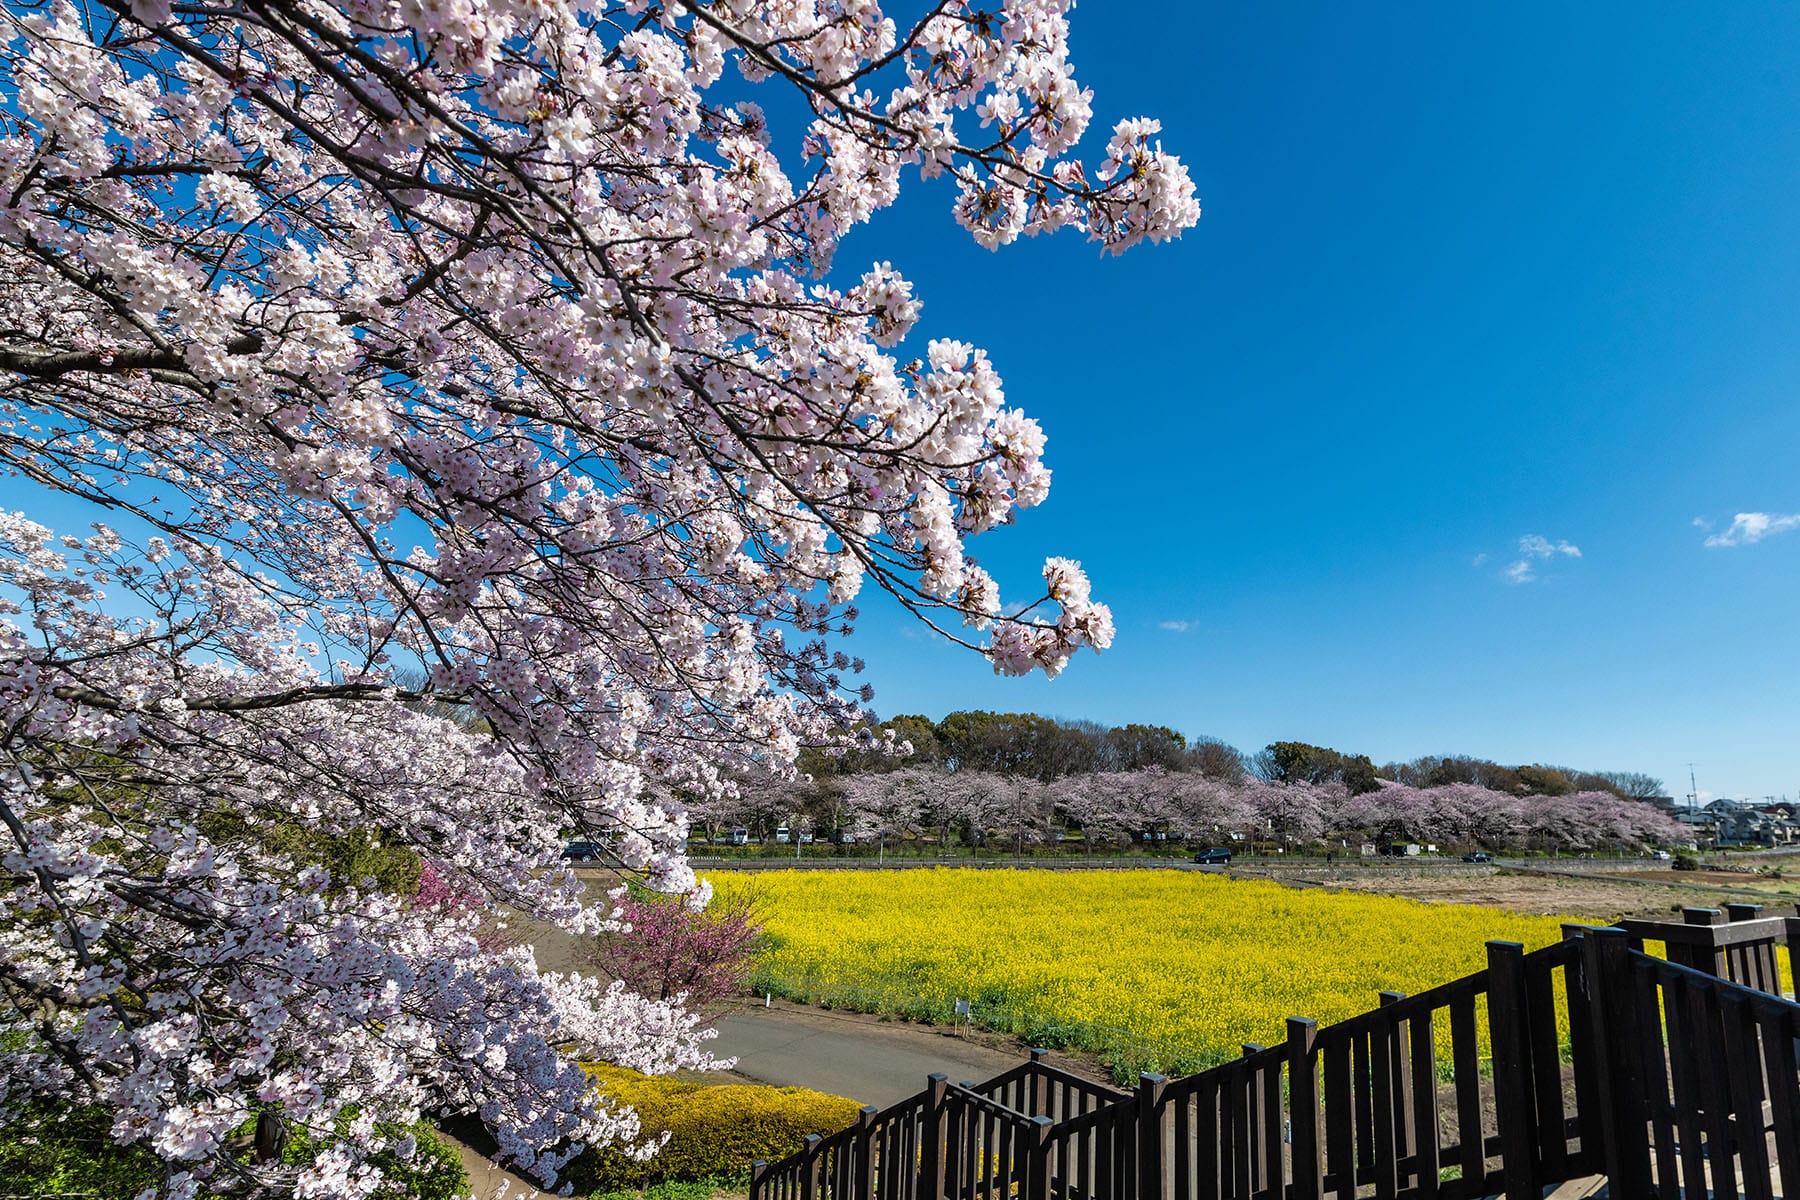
(848,1054)
(870,1061)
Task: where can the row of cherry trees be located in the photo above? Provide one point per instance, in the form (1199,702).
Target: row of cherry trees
(941,806)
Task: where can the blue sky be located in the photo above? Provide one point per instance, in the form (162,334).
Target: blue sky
(1466,275)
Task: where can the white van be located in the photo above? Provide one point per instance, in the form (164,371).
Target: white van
(740,836)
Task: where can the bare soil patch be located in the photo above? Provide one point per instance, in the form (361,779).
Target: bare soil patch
(1658,895)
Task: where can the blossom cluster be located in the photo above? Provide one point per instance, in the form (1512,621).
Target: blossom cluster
(170,954)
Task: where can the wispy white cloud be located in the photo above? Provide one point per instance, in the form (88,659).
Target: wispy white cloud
(1534,545)
(1535,548)
(1480,560)
(1747,529)
(1175,626)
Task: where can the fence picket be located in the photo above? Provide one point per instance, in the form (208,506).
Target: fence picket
(1423,1081)
(1508,1032)
(1386,1149)
(1207,1142)
(1545,1054)
(1340,1119)
(1308,1165)
(1784,1106)
(1745,1081)
(1465,1061)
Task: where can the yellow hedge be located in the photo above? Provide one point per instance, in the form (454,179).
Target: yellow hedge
(714,1129)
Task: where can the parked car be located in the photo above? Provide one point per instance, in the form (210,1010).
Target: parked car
(581,851)
(783,834)
(740,836)
(1478,856)
(1216,856)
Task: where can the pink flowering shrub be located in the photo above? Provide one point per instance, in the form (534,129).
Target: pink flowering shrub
(439,890)
(670,950)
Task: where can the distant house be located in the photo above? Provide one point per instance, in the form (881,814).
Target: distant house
(1743,823)
(1703,826)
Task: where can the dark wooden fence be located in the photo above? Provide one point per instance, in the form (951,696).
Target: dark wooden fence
(1670,1077)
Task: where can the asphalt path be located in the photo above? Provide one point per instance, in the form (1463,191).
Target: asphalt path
(869,1060)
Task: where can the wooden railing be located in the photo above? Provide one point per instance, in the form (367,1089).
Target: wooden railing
(1738,944)
(1400,1099)
(1700,1084)
(1585,1058)
(1038,1089)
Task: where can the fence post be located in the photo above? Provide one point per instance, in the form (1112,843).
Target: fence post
(1037,1089)
(1037,1160)
(1711,960)
(1617,1063)
(758,1169)
(1507,1030)
(931,1138)
(1790,929)
(1399,1069)
(1742,912)
(1149,1131)
(809,1169)
(1303,1109)
(862,1159)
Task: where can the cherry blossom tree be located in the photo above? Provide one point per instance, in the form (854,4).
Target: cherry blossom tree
(1017,807)
(1211,809)
(890,804)
(484,451)
(1288,812)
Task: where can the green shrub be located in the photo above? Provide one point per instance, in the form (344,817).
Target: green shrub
(434,1172)
(1686,862)
(56,1150)
(679,1189)
(715,1130)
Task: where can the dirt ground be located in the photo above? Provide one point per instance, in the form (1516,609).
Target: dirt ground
(1648,894)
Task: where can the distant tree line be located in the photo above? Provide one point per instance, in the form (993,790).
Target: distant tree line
(1029,746)
(932,806)
(1020,779)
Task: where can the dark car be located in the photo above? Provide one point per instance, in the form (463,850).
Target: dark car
(1217,856)
(581,851)
(1478,856)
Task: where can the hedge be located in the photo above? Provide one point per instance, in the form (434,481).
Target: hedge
(59,1150)
(715,1130)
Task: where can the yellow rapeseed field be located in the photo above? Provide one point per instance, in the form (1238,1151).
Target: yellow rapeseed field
(1166,969)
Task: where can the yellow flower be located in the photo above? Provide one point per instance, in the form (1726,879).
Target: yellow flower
(1166,969)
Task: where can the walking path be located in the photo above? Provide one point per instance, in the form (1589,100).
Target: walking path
(867,1059)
